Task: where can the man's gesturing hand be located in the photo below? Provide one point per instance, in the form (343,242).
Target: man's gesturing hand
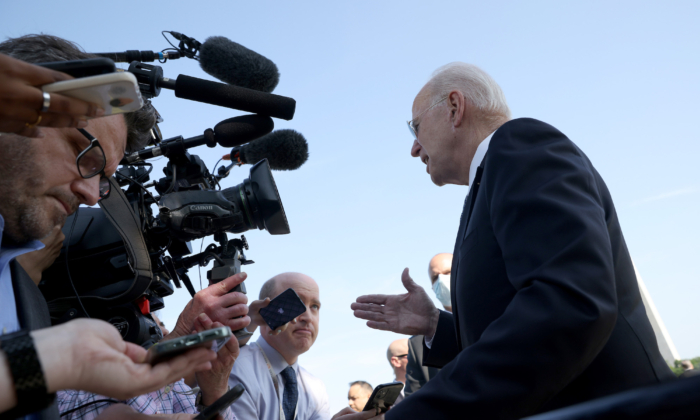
(90,355)
(219,305)
(412,313)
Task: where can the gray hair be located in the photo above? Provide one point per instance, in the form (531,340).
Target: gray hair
(41,48)
(475,84)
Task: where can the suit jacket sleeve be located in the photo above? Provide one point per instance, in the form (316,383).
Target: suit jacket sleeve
(444,347)
(547,217)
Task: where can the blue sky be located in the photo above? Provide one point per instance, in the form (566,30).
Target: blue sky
(619,78)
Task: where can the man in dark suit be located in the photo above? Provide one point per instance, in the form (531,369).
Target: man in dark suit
(546,308)
(439,274)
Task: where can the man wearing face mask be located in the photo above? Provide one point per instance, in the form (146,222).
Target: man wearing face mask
(416,374)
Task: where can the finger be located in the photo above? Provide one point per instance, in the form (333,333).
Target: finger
(61,104)
(238,323)
(376,299)
(279,329)
(205,321)
(182,365)
(370,307)
(136,353)
(344,411)
(224,286)
(54,120)
(226,156)
(231,299)
(378,325)
(408,282)
(370,316)
(232,312)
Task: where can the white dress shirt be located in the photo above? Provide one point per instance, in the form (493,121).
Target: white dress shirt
(9,322)
(476,162)
(260,401)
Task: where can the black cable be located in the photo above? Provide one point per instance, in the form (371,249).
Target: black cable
(174,182)
(70,236)
(213,172)
(139,184)
(65,413)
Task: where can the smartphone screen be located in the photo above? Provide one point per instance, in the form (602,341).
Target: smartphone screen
(282,309)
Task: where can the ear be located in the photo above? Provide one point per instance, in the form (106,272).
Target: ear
(395,362)
(458,107)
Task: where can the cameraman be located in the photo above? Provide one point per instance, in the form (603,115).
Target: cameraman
(40,185)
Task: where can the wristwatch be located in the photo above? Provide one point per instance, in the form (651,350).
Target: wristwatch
(27,374)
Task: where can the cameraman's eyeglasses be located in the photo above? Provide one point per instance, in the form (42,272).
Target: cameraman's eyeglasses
(92,161)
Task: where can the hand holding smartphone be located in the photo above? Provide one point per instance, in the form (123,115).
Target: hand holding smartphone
(221,404)
(215,338)
(282,309)
(116,93)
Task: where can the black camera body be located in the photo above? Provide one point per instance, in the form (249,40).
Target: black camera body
(95,273)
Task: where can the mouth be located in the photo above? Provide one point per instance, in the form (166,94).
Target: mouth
(303,331)
(65,206)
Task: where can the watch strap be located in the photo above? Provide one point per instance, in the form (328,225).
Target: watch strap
(27,374)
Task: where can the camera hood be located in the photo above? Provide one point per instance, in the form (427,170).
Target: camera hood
(264,199)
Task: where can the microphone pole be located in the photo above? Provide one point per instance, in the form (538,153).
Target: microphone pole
(136,55)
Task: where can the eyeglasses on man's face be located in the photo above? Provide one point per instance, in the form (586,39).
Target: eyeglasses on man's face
(414,127)
(92,161)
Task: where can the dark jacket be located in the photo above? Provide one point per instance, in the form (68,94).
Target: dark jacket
(546,307)
(33,313)
(417,374)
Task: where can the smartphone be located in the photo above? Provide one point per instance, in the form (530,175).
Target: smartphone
(222,403)
(384,396)
(82,68)
(282,309)
(116,93)
(163,350)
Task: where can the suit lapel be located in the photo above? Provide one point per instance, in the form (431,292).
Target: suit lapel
(463,224)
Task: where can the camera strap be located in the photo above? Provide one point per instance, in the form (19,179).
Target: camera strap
(119,212)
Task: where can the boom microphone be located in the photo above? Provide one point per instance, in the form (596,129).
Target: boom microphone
(228,133)
(285,150)
(237,65)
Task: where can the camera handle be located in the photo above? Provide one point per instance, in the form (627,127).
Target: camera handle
(227,264)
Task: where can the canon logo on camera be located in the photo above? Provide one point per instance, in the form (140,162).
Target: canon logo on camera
(196,208)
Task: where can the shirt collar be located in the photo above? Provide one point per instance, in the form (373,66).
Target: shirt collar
(276,360)
(479,157)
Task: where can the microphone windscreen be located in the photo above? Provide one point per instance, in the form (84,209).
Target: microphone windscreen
(285,150)
(249,100)
(240,130)
(235,64)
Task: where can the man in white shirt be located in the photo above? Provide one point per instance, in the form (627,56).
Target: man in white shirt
(277,388)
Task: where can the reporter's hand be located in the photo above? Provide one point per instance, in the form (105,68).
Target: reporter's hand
(21,100)
(218,304)
(35,262)
(90,355)
(348,413)
(412,313)
(214,382)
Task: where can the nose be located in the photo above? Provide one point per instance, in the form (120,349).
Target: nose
(415,150)
(87,190)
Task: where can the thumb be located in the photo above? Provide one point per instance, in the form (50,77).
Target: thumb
(408,282)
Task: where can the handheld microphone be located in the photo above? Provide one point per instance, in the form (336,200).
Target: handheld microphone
(228,133)
(285,150)
(237,65)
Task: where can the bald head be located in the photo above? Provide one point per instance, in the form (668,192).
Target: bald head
(397,348)
(397,354)
(439,264)
(284,281)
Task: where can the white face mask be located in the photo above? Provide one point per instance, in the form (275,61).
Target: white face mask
(441,287)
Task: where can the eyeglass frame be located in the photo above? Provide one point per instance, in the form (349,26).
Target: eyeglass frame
(413,128)
(94,143)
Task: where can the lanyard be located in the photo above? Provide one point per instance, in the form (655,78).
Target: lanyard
(275,383)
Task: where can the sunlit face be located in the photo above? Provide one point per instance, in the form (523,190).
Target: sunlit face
(39,182)
(434,144)
(358,397)
(300,336)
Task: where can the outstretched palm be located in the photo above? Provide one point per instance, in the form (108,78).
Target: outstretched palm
(411,313)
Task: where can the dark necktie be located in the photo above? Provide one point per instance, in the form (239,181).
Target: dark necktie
(291,393)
